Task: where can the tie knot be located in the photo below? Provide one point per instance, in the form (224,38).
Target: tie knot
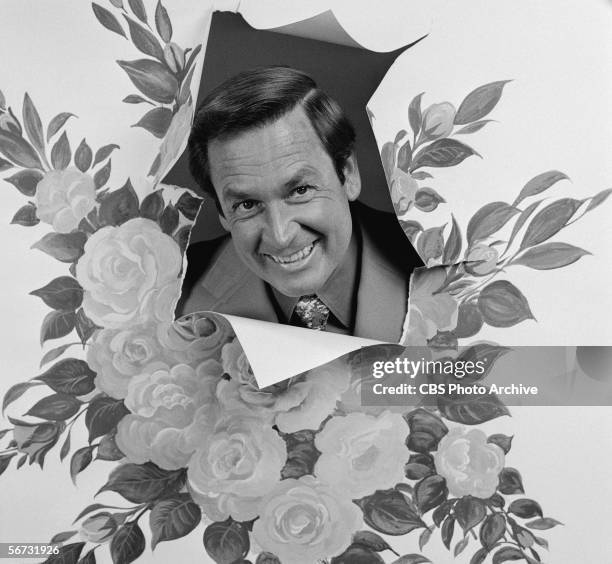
(311,312)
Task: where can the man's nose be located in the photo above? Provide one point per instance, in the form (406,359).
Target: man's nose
(280,227)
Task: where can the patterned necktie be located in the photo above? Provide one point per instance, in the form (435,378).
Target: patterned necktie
(311,312)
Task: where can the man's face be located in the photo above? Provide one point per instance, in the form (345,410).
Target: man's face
(283,203)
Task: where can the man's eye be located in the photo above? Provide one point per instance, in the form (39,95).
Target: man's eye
(245,205)
(302,190)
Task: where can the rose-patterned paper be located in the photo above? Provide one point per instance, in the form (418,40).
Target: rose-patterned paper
(299,472)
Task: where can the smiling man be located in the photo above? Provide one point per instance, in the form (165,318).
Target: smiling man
(277,156)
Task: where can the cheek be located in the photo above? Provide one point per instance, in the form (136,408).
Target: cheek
(245,236)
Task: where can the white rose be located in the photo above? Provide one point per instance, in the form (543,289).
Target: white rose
(304,520)
(129,273)
(470,464)
(64,197)
(171,411)
(361,453)
(235,465)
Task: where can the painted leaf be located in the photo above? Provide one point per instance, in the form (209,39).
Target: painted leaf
(483,354)
(550,255)
(473,409)
(128,543)
(226,541)
(83,156)
(152,205)
(62,537)
(32,123)
(152,78)
(479,556)
(140,483)
(387,155)
(525,215)
(56,324)
(65,247)
(525,508)
(371,541)
(404,156)
(411,228)
(182,237)
(107,19)
(57,123)
(169,219)
(26,181)
(430,492)
(461,546)
(425,537)
(68,554)
(452,247)
(507,554)
(388,512)
(414,113)
(56,407)
(156,121)
(102,416)
(108,449)
(188,205)
(419,466)
(119,206)
(503,305)
(549,221)
(135,99)
(447,530)
(104,152)
(510,482)
(2,101)
(356,553)
(412,559)
(137,6)
(18,150)
(442,153)
(15,392)
(62,293)
(543,524)
(65,447)
(162,22)
(473,127)
(427,199)
(174,518)
(101,177)
(5,165)
(267,558)
(69,376)
(430,244)
(144,40)
(469,512)
(426,430)
(492,530)
(599,199)
(26,216)
(489,219)
(478,103)
(54,353)
(539,184)
(502,441)
(61,153)
(84,326)
(89,558)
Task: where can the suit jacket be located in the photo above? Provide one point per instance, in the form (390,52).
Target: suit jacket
(217,280)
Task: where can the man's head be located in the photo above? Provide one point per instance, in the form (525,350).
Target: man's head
(276,154)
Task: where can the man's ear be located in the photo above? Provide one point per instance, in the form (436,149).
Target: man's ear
(352,178)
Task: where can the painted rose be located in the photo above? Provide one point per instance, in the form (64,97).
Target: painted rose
(403,190)
(304,520)
(429,311)
(129,274)
(362,453)
(64,197)
(98,528)
(483,258)
(117,355)
(438,120)
(470,464)
(171,411)
(235,465)
(302,402)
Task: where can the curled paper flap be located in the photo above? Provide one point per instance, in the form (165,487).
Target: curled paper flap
(322,27)
(277,352)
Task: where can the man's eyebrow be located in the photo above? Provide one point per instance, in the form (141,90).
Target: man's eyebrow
(299,177)
(230,193)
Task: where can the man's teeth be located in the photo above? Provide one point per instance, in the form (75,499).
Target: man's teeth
(295,257)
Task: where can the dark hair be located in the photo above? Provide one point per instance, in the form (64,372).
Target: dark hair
(258,97)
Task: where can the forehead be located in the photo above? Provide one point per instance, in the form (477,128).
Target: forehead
(270,153)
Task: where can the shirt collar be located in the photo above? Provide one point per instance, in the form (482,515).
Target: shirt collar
(338,293)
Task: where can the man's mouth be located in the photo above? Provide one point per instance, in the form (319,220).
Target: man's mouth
(293,258)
